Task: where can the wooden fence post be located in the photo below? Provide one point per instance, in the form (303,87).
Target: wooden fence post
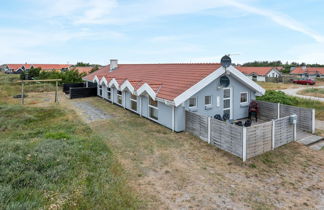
(244,144)
(313,121)
(209,131)
(22,92)
(273,134)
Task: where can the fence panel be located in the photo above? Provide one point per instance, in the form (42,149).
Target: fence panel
(67,86)
(284,131)
(81,92)
(304,116)
(227,137)
(197,125)
(268,110)
(258,139)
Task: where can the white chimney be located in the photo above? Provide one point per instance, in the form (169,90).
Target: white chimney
(113,64)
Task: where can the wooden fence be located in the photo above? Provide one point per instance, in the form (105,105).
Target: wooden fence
(244,142)
(305,116)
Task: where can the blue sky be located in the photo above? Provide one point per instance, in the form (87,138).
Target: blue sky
(158,31)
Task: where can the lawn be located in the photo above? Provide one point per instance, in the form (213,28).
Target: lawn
(51,160)
(317,92)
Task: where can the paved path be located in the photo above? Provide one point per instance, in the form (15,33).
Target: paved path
(293,92)
(89,112)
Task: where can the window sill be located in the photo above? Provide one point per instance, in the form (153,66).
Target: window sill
(208,107)
(244,104)
(193,109)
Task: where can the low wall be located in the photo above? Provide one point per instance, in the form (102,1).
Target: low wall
(258,139)
(66,87)
(305,120)
(244,142)
(81,92)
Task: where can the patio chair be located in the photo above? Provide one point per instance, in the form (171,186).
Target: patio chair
(248,123)
(253,110)
(218,117)
(226,116)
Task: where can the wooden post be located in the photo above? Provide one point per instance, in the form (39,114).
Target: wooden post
(22,92)
(56,90)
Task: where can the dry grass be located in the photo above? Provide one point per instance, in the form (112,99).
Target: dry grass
(277,86)
(175,171)
(316,92)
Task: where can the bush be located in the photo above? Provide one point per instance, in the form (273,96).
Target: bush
(71,76)
(278,97)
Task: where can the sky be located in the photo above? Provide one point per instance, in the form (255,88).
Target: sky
(160,31)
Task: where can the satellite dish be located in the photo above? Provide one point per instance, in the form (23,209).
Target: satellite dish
(224,81)
(226,61)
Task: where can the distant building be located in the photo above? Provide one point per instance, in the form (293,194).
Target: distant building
(83,69)
(19,68)
(259,73)
(308,72)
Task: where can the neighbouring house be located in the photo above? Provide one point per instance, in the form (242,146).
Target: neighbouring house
(19,68)
(259,73)
(308,72)
(83,69)
(163,92)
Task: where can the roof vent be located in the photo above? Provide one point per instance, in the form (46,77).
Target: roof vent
(113,64)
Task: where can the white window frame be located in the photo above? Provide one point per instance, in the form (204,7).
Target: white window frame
(247,98)
(231,101)
(192,107)
(100,90)
(211,100)
(121,96)
(133,100)
(109,91)
(154,107)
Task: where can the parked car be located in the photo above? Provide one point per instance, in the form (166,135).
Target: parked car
(304,82)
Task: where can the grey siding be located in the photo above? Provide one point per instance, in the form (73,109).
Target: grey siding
(239,111)
(180,121)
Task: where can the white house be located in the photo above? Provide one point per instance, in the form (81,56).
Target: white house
(259,73)
(163,92)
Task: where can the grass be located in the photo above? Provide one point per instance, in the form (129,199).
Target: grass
(317,92)
(50,160)
(276,85)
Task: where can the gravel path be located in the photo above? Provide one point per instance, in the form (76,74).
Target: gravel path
(91,113)
(293,92)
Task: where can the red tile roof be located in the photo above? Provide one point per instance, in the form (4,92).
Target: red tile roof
(261,71)
(43,66)
(309,70)
(83,69)
(167,80)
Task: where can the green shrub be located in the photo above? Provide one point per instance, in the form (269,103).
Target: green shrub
(278,97)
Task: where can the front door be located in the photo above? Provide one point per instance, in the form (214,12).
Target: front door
(227,102)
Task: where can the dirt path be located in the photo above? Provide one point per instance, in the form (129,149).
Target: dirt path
(179,171)
(294,91)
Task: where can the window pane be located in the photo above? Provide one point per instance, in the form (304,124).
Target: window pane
(134,97)
(153,113)
(227,112)
(119,92)
(134,105)
(152,102)
(243,97)
(227,93)
(207,100)
(192,102)
(227,103)
(109,95)
(108,89)
(119,100)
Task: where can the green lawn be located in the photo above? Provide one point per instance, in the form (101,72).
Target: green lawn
(49,159)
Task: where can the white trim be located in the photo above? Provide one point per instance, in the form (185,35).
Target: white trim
(154,107)
(146,88)
(197,87)
(231,101)
(103,80)
(240,76)
(173,115)
(247,99)
(133,100)
(244,144)
(118,98)
(209,131)
(113,82)
(96,79)
(211,100)
(278,109)
(124,100)
(193,107)
(127,84)
(140,112)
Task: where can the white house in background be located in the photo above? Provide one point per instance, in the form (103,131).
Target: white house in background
(259,73)
(163,92)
